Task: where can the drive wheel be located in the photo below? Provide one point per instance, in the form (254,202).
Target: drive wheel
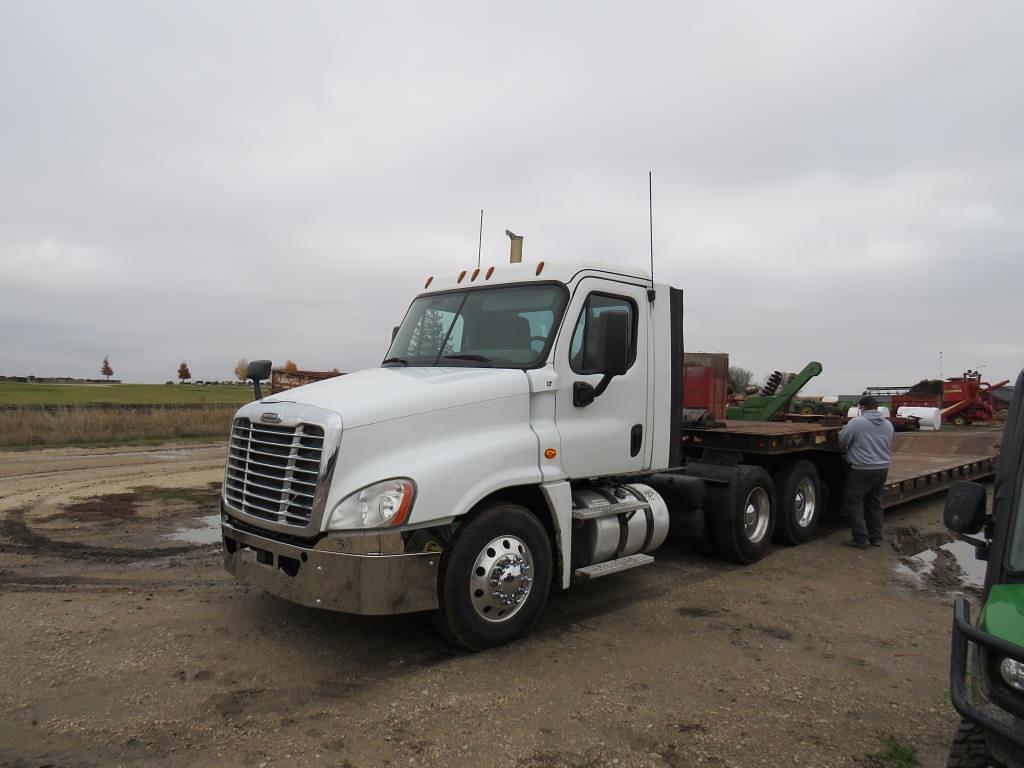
(495,577)
(798,502)
(748,536)
(968,749)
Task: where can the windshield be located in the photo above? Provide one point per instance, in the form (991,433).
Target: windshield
(506,327)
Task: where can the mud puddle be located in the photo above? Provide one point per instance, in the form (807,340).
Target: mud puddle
(936,561)
(208,531)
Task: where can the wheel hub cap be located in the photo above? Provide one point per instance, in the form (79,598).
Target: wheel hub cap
(501,579)
(804,503)
(756,515)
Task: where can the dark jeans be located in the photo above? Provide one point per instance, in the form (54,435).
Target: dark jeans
(864,503)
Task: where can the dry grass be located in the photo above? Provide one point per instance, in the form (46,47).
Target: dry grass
(29,427)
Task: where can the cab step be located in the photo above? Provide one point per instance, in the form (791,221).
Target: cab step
(602,510)
(607,568)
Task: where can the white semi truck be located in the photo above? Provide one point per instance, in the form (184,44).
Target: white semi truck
(524,432)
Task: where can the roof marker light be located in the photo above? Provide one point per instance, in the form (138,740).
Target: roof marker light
(540,266)
(462,274)
(490,271)
(429,281)
(475,273)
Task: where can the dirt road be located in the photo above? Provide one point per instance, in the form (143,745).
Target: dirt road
(125,643)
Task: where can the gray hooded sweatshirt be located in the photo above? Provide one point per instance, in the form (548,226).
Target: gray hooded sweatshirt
(868,441)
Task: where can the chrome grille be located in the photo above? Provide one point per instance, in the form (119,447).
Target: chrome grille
(272,471)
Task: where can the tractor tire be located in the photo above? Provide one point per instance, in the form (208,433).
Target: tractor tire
(798,502)
(968,749)
(495,577)
(748,536)
(960,420)
(807,410)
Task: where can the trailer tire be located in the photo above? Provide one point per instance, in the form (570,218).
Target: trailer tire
(797,503)
(495,577)
(747,537)
(968,749)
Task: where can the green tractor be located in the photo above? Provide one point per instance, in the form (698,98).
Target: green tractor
(987,666)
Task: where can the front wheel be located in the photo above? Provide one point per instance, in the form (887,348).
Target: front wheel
(495,577)
(968,749)
(747,537)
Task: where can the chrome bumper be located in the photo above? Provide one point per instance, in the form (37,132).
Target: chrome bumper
(372,584)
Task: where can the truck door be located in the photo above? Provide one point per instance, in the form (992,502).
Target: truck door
(609,435)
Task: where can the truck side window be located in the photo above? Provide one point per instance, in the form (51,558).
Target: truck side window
(585,348)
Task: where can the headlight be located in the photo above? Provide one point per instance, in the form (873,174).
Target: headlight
(1013,673)
(378,505)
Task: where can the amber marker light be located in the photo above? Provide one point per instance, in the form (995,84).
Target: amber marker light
(462,274)
(429,281)
(550,453)
(540,267)
(475,273)
(408,492)
(490,271)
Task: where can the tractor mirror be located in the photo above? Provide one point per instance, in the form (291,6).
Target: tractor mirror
(965,507)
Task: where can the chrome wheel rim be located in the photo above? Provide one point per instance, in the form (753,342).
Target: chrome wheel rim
(756,514)
(501,580)
(805,502)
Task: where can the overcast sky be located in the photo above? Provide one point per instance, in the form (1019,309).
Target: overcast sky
(205,181)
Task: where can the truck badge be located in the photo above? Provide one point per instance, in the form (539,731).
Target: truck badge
(271,418)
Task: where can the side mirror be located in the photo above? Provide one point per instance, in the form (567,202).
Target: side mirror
(965,507)
(614,329)
(394,333)
(257,371)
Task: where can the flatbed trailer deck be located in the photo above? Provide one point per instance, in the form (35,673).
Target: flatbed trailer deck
(922,463)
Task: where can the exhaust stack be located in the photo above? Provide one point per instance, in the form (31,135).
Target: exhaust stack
(515,255)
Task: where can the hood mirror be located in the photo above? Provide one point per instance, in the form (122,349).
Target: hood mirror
(257,371)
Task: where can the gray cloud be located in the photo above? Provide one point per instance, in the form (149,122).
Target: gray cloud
(205,182)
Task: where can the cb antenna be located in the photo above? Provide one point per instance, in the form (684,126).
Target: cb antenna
(650,210)
(480,239)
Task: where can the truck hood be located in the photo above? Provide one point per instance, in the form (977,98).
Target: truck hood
(381,394)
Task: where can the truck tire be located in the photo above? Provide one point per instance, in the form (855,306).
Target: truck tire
(748,536)
(968,749)
(495,577)
(797,502)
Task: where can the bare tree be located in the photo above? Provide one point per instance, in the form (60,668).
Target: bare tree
(106,370)
(183,372)
(240,367)
(740,379)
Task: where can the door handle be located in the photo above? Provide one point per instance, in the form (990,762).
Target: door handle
(636,439)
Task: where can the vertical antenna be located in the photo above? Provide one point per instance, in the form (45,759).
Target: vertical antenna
(480,240)
(650,210)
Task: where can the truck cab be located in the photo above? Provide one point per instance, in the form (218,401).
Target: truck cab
(987,668)
(498,450)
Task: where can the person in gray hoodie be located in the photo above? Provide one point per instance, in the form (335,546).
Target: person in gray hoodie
(868,442)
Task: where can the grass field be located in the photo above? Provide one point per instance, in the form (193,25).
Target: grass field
(16,393)
(34,428)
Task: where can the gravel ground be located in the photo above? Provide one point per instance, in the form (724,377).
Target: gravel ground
(123,645)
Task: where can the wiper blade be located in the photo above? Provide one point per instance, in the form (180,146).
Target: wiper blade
(474,358)
(398,360)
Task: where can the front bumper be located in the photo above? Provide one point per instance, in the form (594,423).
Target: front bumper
(372,584)
(1003,728)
